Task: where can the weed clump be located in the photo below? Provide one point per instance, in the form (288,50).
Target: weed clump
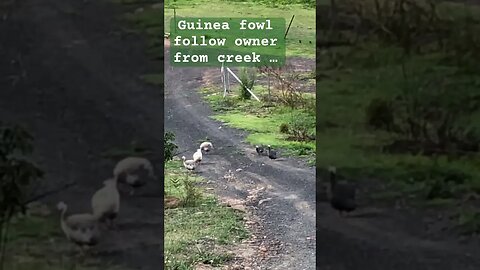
(284,128)
(247,77)
(170,146)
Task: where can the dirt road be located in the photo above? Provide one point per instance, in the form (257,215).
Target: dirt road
(289,185)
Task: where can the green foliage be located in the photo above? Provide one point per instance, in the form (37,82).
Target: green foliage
(379,114)
(193,230)
(247,77)
(435,121)
(16,173)
(169,146)
(284,128)
(192,194)
(301,127)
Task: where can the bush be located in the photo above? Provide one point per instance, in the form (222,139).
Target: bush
(433,116)
(247,77)
(170,146)
(302,127)
(284,128)
(379,114)
(192,193)
(16,174)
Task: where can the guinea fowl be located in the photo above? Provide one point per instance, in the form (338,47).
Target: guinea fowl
(272,154)
(342,194)
(106,202)
(260,150)
(197,156)
(189,164)
(134,171)
(81,229)
(206,146)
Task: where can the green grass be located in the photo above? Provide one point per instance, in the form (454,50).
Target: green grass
(303,26)
(38,243)
(262,123)
(196,233)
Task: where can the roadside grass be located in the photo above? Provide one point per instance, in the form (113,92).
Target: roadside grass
(199,229)
(37,242)
(300,39)
(262,122)
(373,70)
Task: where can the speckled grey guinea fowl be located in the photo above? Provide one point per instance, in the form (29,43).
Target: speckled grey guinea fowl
(272,154)
(260,150)
(342,194)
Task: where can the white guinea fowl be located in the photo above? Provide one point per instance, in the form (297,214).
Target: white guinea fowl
(206,146)
(134,171)
(189,164)
(197,156)
(106,202)
(81,229)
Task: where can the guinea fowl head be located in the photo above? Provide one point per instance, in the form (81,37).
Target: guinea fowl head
(183,158)
(61,206)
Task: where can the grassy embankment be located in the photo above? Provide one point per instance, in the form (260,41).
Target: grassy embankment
(36,241)
(197,228)
(382,111)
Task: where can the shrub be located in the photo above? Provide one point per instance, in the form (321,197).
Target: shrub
(16,173)
(247,77)
(379,114)
(301,127)
(432,116)
(192,193)
(284,128)
(170,146)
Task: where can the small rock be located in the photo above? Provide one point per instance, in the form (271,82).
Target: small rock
(239,170)
(264,200)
